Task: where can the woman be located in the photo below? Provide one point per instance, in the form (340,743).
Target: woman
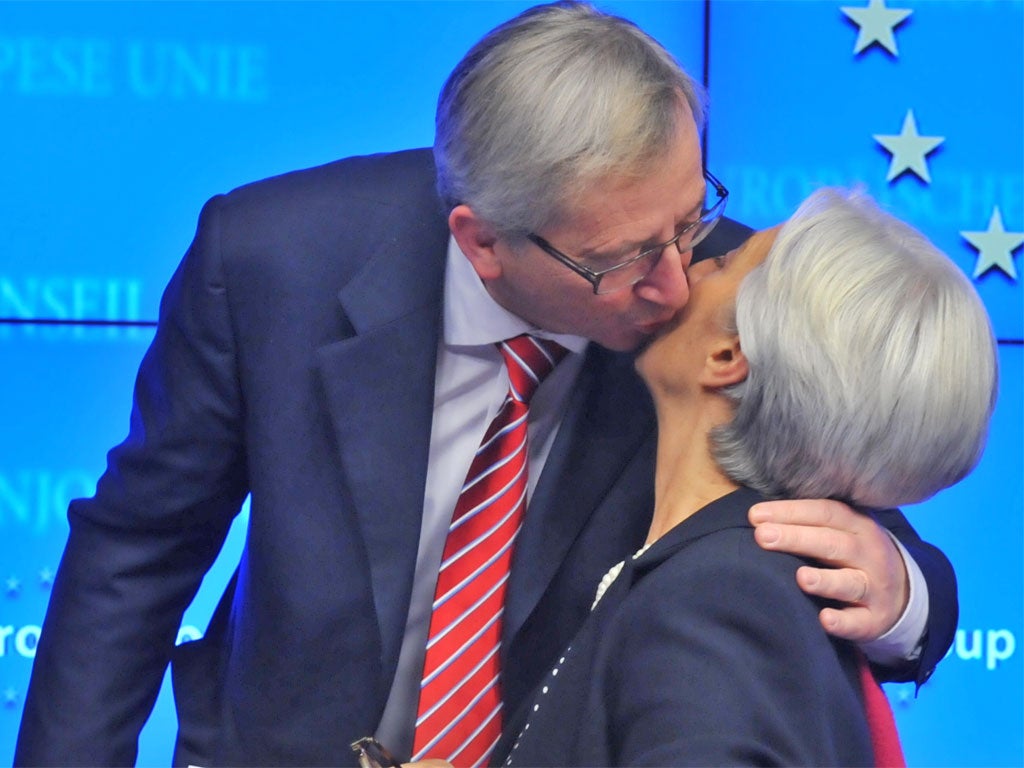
(839,355)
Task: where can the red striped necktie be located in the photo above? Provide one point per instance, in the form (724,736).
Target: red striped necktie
(459,715)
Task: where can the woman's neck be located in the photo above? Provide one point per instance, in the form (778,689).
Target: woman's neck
(686,476)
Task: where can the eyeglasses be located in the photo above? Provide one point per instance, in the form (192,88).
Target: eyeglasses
(638,266)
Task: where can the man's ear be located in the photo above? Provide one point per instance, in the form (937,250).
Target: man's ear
(725,363)
(477,240)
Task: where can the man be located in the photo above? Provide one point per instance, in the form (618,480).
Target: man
(329,346)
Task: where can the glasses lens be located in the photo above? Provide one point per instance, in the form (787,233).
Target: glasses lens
(708,221)
(702,231)
(629,273)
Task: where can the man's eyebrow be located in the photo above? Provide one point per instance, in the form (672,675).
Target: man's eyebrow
(693,215)
(698,209)
(623,249)
(690,217)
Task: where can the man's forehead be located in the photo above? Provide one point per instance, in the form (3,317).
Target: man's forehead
(588,211)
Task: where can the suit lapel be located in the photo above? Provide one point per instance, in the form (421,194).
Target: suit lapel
(607,421)
(379,390)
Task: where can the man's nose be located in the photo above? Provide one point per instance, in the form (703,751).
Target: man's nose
(666,284)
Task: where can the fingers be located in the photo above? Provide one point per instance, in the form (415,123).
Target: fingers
(854,624)
(825,530)
(827,545)
(845,585)
(868,578)
(858,620)
(823,513)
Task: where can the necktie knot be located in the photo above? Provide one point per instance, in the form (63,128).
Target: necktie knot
(529,360)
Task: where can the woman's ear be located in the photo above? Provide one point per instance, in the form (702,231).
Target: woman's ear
(725,364)
(477,240)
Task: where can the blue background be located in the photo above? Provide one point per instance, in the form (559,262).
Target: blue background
(118,120)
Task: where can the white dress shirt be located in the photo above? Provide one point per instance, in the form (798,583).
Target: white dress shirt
(470,385)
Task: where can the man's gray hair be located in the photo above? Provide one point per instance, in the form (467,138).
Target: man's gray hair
(873,367)
(552,101)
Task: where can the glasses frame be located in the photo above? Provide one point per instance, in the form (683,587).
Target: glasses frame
(711,216)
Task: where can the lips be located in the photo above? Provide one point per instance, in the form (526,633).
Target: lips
(654,326)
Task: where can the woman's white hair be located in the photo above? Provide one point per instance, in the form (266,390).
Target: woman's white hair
(556,99)
(873,368)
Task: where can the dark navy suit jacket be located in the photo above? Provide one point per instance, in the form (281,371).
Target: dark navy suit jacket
(294,362)
(703,652)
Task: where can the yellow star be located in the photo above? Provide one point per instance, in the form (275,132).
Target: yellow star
(876,24)
(908,149)
(995,246)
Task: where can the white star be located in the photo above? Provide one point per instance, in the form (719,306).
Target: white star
(876,24)
(908,149)
(12,586)
(10,697)
(45,578)
(995,246)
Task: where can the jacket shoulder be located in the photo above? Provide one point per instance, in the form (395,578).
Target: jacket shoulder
(728,234)
(395,178)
